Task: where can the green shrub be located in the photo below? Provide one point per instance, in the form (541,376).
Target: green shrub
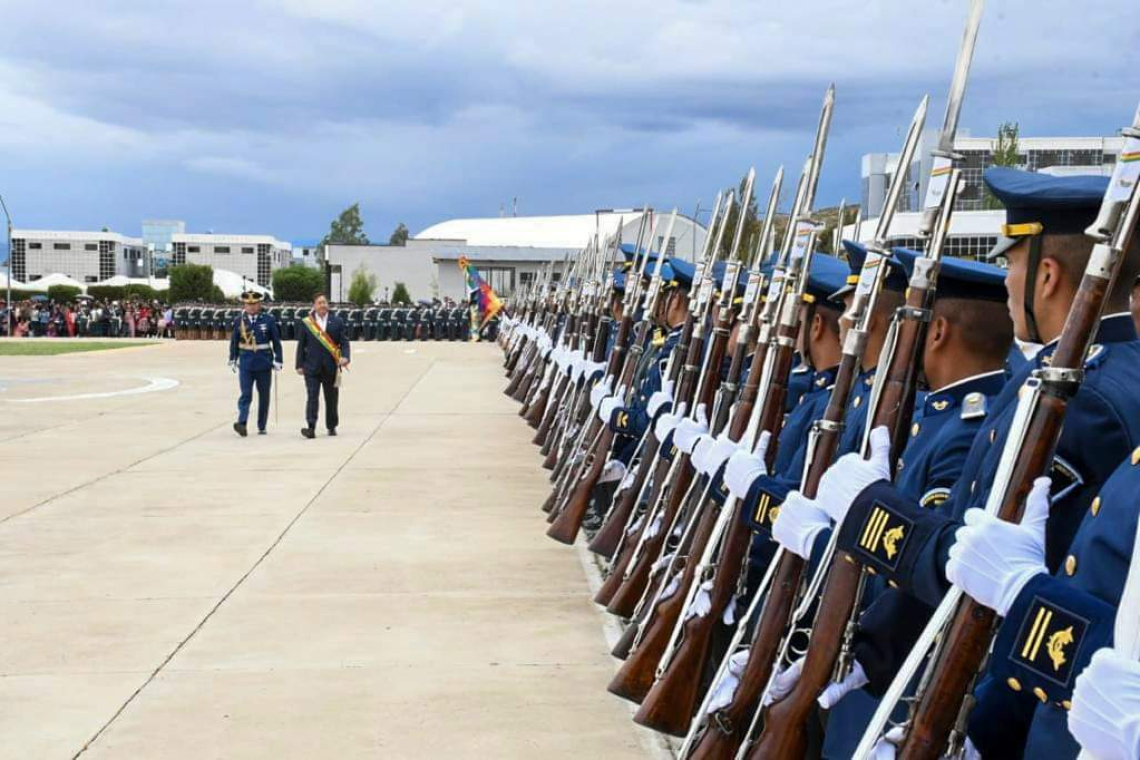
(297,282)
(400,294)
(192,282)
(63,293)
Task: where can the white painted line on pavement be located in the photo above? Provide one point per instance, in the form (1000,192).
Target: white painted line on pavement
(154,384)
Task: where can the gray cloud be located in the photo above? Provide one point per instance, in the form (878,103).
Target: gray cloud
(270,115)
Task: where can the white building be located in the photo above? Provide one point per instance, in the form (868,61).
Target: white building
(508,251)
(252,256)
(1053,155)
(86,257)
(972,233)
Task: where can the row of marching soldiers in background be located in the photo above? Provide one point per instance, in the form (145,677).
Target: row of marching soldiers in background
(841,514)
(396,323)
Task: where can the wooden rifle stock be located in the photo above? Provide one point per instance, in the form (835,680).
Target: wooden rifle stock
(615,578)
(786,723)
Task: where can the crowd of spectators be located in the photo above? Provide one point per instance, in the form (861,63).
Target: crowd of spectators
(41,318)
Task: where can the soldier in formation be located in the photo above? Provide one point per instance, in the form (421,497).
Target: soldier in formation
(828,494)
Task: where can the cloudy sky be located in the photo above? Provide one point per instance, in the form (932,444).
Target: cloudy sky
(269,116)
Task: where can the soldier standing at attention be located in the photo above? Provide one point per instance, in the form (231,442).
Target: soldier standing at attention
(322,352)
(255,353)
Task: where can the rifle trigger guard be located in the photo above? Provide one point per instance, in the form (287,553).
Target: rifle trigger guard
(829,426)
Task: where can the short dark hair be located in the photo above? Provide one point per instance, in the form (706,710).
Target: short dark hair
(1072,253)
(985,326)
(319,296)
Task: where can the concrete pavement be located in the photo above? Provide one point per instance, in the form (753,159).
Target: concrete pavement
(170,590)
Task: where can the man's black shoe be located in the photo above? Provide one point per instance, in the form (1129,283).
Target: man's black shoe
(332,431)
(308,433)
(261,432)
(239,428)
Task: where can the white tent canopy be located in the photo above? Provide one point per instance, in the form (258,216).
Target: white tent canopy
(16,284)
(121,280)
(56,278)
(233,284)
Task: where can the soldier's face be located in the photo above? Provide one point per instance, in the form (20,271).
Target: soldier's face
(252,308)
(1015,287)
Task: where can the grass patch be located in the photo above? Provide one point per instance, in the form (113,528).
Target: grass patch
(55,346)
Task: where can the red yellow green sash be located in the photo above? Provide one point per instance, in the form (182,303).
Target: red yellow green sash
(323,338)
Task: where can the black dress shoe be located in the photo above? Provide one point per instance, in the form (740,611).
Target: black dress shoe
(332,431)
(308,433)
(240,429)
(261,432)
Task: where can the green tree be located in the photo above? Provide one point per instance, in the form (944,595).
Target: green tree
(751,226)
(400,294)
(399,235)
(362,286)
(63,293)
(346,229)
(1007,152)
(297,282)
(191,282)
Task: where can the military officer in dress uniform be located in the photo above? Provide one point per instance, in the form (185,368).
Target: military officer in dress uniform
(255,354)
(1048,252)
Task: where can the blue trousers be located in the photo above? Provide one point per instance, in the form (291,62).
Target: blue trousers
(246,380)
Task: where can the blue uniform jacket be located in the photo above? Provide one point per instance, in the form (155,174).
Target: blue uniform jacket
(633,421)
(313,357)
(1102,426)
(1056,624)
(942,428)
(258,346)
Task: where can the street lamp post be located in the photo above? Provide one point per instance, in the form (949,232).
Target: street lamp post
(8,298)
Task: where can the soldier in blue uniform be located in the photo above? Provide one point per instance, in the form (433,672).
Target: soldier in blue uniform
(1047,252)
(964,366)
(764,493)
(255,354)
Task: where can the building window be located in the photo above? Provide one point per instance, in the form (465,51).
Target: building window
(91,278)
(91,247)
(221,249)
(194,249)
(61,246)
(501,279)
(106,259)
(179,254)
(19,258)
(264,265)
(35,246)
(34,277)
(247,249)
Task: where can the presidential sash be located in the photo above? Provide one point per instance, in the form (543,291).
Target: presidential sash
(325,340)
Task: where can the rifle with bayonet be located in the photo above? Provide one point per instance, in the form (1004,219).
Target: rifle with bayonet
(892,405)
(661,602)
(666,491)
(620,522)
(565,527)
(963,628)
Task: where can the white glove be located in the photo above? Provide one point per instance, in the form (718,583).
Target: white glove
(992,560)
(887,747)
(233,365)
(834,692)
(847,478)
(615,469)
(666,423)
(660,399)
(744,467)
(560,357)
(600,391)
(709,456)
(725,689)
(1105,718)
(784,682)
(799,522)
(278,366)
(577,366)
(609,404)
(691,428)
(594,368)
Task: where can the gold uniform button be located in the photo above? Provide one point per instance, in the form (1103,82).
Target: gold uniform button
(1040,694)
(1136,456)
(1070,565)
(914,430)
(872,571)
(859,400)
(1067,705)
(1014,684)
(993,435)
(1095,507)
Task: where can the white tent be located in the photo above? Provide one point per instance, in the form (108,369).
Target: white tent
(233,284)
(16,284)
(56,278)
(121,280)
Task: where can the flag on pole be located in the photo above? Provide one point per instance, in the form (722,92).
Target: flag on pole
(485,299)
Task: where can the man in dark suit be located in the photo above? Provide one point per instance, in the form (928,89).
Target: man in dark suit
(322,353)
